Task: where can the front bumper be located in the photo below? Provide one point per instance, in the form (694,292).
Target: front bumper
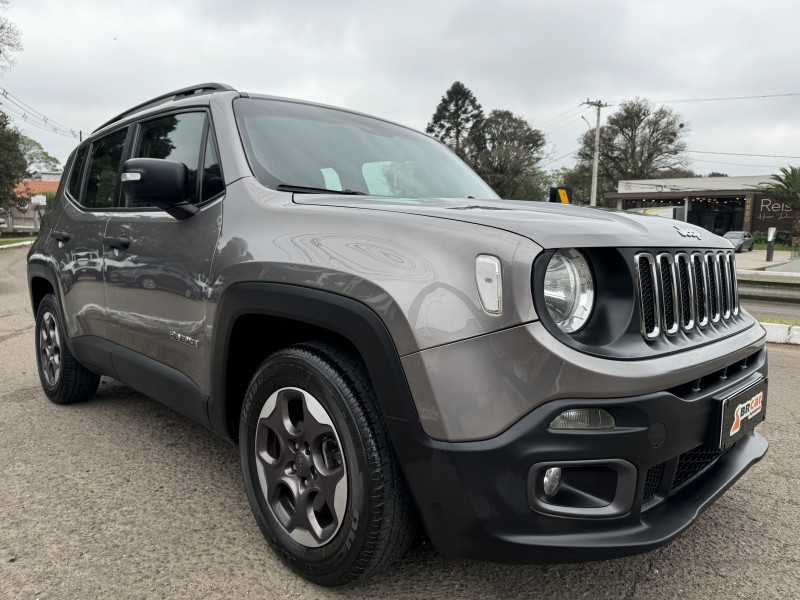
(474,496)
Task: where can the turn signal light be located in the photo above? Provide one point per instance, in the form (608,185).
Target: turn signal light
(583,418)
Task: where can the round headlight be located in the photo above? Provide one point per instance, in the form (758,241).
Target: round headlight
(569,290)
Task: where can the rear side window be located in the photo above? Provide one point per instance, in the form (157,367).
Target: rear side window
(174,137)
(213,183)
(102,176)
(74,183)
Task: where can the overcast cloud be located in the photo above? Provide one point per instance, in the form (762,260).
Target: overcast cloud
(87,60)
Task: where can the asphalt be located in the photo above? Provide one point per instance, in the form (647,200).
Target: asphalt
(122,498)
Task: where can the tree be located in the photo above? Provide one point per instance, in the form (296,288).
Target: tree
(716,174)
(506,152)
(455,116)
(12,165)
(785,188)
(639,141)
(36,157)
(10,40)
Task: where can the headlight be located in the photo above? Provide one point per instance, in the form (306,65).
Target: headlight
(569,290)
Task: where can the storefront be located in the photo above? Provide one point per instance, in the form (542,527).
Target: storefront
(717,204)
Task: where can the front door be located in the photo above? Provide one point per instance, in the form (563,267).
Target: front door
(157,267)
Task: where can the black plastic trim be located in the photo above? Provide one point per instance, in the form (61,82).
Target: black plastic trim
(186,92)
(346,317)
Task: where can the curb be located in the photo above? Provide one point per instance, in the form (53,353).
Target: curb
(782,334)
(17,245)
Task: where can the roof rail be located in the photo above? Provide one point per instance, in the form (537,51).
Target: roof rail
(203,88)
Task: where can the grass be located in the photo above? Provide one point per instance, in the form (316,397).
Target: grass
(790,322)
(15,240)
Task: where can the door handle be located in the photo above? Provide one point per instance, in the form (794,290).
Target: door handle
(120,243)
(61,236)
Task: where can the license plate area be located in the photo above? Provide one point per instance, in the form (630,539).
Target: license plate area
(739,413)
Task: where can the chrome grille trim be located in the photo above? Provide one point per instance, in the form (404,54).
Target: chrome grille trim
(700,271)
(684,291)
(668,293)
(647,292)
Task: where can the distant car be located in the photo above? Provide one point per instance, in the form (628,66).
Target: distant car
(741,240)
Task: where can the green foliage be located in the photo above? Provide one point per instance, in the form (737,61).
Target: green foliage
(505,153)
(455,116)
(639,141)
(10,40)
(12,164)
(717,174)
(36,157)
(51,198)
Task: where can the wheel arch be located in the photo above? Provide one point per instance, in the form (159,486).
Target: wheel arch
(290,314)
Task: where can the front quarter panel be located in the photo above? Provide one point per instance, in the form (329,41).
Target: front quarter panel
(416,273)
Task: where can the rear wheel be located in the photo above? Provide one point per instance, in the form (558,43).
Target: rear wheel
(63,378)
(320,475)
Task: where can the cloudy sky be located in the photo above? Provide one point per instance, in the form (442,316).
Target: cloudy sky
(86,60)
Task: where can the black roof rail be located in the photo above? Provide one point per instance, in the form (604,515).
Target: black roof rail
(203,88)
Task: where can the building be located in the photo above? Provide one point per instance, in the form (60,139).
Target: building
(27,220)
(718,204)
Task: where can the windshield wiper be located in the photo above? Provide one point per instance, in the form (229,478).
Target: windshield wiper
(301,189)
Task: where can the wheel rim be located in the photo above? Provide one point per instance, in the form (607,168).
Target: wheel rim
(149,284)
(301,466)
(50,349)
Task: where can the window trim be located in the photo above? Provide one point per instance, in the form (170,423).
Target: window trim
(89,145)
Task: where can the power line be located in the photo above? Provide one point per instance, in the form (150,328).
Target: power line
(719,162)
(683,100)
(574,119)
(742,154)
(557,159)
(559,117)
(20,111)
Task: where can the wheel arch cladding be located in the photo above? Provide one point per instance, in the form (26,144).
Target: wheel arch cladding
(292,314)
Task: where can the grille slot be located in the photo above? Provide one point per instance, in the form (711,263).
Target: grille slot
(694,462)
(684,291)
(666,269)
(649,306)
(652,482)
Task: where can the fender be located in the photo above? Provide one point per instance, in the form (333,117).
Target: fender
(40,265)
(346,317)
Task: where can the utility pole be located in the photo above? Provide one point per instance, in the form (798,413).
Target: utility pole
(598,104)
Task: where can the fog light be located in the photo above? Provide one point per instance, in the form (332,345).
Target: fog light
(552,479)
(583,418)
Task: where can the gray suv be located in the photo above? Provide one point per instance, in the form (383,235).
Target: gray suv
(396,350)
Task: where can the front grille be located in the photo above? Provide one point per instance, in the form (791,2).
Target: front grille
(684,291)
(692,463)
(652,482)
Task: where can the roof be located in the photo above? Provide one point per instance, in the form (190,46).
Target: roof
(31,187)
(693,184)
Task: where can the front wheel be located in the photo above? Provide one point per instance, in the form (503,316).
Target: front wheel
(318,468)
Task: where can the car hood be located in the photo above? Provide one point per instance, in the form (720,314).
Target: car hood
(548,224)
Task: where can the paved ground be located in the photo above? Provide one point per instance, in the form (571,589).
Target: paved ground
(123,498)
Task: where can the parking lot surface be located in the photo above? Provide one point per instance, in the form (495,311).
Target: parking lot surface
(121,497)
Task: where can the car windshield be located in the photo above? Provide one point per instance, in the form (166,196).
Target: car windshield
(305,146)
(735,235)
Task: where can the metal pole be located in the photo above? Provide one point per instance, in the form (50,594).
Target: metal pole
(595,162)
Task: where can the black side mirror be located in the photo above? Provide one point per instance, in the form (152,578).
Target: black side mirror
(157,182)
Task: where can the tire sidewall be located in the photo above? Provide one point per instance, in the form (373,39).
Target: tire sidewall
(49,304)
(335,558)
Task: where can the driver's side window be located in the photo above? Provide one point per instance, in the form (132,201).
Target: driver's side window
(177,137)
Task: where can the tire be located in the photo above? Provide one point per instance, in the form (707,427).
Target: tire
(320,397)
(64,380)
(148,283)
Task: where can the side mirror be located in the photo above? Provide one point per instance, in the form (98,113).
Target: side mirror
(157,182)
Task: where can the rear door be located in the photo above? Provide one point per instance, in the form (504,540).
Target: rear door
(77,240)
(157,267)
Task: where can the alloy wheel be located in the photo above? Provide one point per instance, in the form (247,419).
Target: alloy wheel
(50,348)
